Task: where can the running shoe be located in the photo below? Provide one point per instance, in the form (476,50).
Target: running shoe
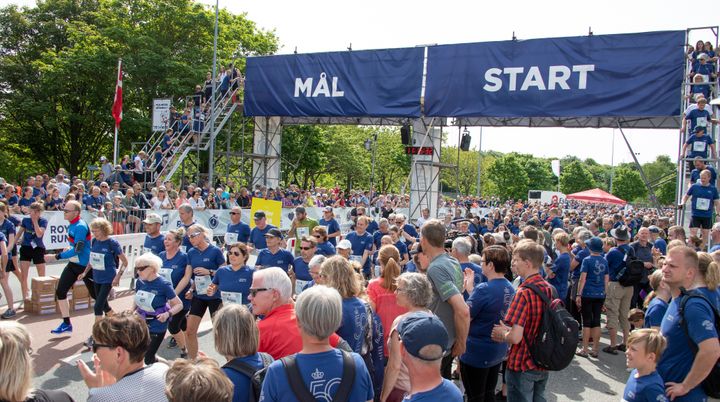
(172,343)
(62,328)
(9,313)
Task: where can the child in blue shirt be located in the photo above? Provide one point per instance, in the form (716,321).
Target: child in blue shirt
(644,348)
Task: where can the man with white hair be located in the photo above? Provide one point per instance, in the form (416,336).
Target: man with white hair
(461,250)
(271,295)
(318,371)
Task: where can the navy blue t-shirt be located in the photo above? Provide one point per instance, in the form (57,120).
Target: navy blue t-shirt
(240,380)
(302,270)
(616,260)
(648,388)
(174,270)
(326,249)
(360,243)
(561,268)
(446,392)
(103,256)
(332,227)
(488,304)
(595,267)
(211,258)
(354,325)
(237,233)
(257,237)
(232,284)
(161,292)
(695,175)
(579,257)
(282,259)
(703,198)
(155,244)
(29,236)
(7,228)
(655,312)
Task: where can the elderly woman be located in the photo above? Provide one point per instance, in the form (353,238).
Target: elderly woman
(381,290)
(414,293)
(120,345)
(198,381)
(104,252)
(204,259)
(16,371)
(236,339)
(324,247)
(319,312)
(155,300)
(175,269)
(336,272)
(233,281)
(488,302)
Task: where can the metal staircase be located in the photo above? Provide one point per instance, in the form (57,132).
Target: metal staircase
(196,140)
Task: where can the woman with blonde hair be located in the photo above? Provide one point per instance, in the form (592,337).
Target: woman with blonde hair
(175,269)
(16,368)
(709,278)
(381,290)
(656,303)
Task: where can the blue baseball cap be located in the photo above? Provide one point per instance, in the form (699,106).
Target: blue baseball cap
(595,244)
(420,329)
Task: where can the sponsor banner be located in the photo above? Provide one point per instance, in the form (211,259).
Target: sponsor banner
(369,83)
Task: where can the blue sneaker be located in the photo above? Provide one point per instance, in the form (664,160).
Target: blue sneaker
(62,328)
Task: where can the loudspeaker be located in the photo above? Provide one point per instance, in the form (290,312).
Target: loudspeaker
(465,142)
(406,135)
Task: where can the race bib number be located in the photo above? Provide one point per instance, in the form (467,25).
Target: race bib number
(699,146)
(144,300)
(702,204)
(231,297)
(97,260)
(303,232)
(300,285)
(357,258)
(183,249)
(202,283)
(701,121)
(231,238)
(377,271)
(166,273)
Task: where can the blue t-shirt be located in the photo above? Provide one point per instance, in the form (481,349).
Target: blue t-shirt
(257,237)
(595,267)
(410,229)
(360,243)
(94,202)
(7,228)
(561,268)
(163,292)
(240,380)
(556,223)
(648,388)
(703,198)
(712,295)
(103,255)
(446,392)
(155,244)
(332,227)
(78,231)
(676,361)
(377,238)
(410,267)
(488,304)
(579,257)
(326,249)
(354,325)
(229,280)
(616,260)
(3,239)
(402,249)
(321,373)
(695,175)
(176,267)
(655,312)
(25,202)
(211,258)
(186,245)
(698,117)
(241,229)
(661,245)
(29,236)
(282,259)
(699,145)
(302,270)
(13,200)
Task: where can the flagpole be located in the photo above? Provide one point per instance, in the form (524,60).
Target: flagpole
(115,146)
(117,122)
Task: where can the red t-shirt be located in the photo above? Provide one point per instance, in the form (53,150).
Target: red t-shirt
(385,305)
(280,335)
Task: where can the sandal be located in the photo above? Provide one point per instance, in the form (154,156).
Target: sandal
(610,349)
(582,353)
(594,354)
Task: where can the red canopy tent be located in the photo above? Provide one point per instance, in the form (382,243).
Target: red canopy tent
(596,195)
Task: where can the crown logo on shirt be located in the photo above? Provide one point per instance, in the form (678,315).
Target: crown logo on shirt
(317,375)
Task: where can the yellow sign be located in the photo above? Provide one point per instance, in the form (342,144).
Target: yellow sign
(272,209)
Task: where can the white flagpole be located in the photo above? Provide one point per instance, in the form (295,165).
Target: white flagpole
(115,141)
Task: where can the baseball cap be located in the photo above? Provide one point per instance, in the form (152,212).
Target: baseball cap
(654,229)
(259,215)
(595,244)
(102,158)
(420,329)
(274,232)
(344,244)
(153,218)
(699,129)
(328,209)
(300,210)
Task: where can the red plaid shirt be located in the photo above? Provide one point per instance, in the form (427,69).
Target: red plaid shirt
(526,310)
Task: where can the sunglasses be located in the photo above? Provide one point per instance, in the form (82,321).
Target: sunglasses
(96,346)
(236,253)
(234,213)
(254,292)
(141,268)
(194,235)
(306,248)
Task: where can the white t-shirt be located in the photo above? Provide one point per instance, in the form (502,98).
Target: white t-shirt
(157,204)
(199,204)
(147,384)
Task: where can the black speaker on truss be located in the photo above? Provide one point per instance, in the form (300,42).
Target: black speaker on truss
(406,135)
(465,141)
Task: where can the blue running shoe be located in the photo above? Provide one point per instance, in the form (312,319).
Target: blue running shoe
(62,328)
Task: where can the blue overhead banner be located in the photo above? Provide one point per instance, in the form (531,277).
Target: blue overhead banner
(604,75)
(371,83)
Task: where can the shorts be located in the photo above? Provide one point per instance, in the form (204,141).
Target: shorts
(199,306)
(10,267)
(617,305)
(34,254)
(702,223)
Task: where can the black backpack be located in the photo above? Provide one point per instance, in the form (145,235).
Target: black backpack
(256,376)
(632,273)
(300,390)
(557,337)
(711,383)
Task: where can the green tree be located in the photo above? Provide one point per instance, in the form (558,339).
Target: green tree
(465,176)
(304,154)
(348,160)
(628,184)
(540,176)
(58,64)
(510,177)
(575,177)
(392,165)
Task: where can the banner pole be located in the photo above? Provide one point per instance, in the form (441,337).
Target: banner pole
(115,146)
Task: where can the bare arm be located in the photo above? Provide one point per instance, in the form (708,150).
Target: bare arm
(706,357)
(394,365)
(461,318)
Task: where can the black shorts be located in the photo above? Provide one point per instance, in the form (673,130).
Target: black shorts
(34,254)
(199,306)
(702,223)
(10,267)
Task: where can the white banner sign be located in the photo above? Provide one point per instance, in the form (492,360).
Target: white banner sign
(161,114)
